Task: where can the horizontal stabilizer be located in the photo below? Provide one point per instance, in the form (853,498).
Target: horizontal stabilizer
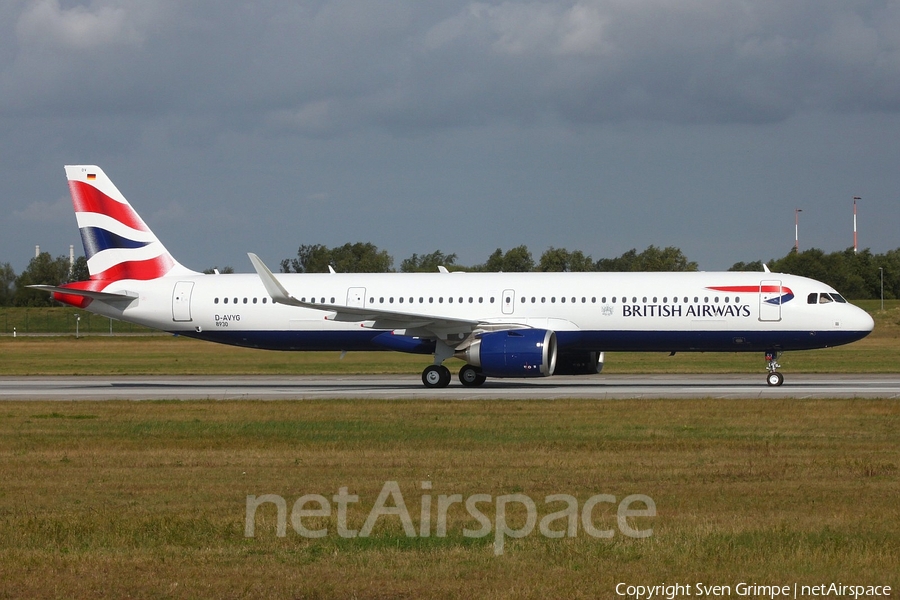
(105,296)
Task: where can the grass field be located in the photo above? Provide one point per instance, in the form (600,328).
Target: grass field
(149,499)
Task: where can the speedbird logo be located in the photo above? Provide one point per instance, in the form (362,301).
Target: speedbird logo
(786,295)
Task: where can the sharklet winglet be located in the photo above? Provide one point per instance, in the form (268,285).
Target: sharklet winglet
(276,291)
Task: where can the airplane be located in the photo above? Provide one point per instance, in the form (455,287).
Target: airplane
(500,324)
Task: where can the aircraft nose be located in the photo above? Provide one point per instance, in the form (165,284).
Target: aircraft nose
(862,321)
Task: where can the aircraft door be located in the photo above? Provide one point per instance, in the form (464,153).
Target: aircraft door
(181,301)
(356,297)
(770,294)
(509,301)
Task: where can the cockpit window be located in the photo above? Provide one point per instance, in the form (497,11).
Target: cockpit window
(825,298)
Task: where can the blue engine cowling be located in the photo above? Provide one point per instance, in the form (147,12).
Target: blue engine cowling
(514,353)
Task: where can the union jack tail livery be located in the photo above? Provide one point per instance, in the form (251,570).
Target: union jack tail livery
(117,243)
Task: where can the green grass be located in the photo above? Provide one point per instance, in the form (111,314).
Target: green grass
(148,499)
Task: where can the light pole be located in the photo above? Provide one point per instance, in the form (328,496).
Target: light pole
(881,269)
(77,322)
(797,212)
(855,248)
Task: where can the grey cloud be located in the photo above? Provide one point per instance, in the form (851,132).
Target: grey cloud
(333,66)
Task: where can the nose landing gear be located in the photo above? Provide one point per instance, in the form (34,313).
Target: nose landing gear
(774,378)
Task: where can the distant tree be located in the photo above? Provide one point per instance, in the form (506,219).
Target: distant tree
(853,274)
(652,259)
(42,270)
(890,265)
(223,271)
(756,265)
(515,260)
(427,263)
(560,259)
(349,258)
(311,258)
(80,270)
(856,275)
(7,284)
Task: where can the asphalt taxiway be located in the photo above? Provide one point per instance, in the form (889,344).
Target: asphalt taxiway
(398,387)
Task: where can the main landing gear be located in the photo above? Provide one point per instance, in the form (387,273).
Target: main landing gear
(438,376)
(774,378)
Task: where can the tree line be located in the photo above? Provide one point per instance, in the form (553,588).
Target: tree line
(855,275)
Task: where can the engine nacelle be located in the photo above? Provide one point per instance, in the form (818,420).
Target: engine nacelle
(579,363)
(513,353)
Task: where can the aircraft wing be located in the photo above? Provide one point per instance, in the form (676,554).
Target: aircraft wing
(384,319)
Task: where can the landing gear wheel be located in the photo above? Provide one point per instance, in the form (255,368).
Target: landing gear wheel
(470,376)
(436,376)
(774,378)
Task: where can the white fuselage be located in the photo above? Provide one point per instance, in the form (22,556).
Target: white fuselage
(716,311)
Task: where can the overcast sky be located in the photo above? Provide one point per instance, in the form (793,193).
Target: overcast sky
(461,126)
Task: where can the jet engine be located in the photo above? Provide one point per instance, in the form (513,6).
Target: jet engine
(513,353)
(579,363)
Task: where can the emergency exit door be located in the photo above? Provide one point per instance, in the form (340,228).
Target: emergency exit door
(181,301)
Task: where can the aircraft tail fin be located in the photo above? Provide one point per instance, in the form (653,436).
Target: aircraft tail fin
(117,243)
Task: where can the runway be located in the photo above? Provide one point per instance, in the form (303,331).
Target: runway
(404,387)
